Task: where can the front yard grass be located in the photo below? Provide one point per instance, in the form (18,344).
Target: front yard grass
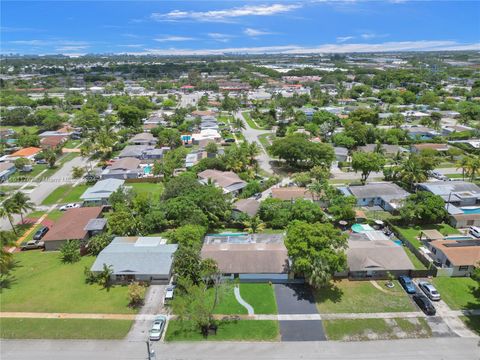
(376,329)
(56,195)
(242,330)
(412,233)
(22,328)
(250,121)
(42,283)
(362,297)
(472,322)
(458,293)
(65,194)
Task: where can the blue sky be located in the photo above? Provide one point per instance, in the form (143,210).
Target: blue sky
(212,27)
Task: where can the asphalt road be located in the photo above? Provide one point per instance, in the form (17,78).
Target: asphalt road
(425,349)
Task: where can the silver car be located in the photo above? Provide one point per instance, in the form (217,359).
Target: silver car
(429,290)
(157,328)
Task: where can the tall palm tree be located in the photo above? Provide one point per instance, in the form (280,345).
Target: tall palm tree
(253,151)
(463,164)
(411,172)
(7,239)
(23,203)
(238,124)
(7,211)
(254,225)
(473,167)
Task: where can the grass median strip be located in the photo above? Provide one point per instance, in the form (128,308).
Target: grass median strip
(241,330)
(20,328)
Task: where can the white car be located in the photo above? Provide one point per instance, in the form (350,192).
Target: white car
(157,328)
(169,293)
(475,231)
(429,290)
(69,206)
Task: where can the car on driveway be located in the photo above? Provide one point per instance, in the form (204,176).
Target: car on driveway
(69,206)
(429,290)
(40,233)
(169,293)
(157,328)
(32,245)
(424,304)
(407,284)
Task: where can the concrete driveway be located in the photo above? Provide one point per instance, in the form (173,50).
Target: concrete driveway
(298,299)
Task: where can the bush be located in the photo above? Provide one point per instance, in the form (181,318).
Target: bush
(70,252)
(136,294)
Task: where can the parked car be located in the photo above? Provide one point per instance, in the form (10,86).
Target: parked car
(169,293)
(407,284)
(69,206)
(40,233)
(32,245)
(424,304)
(41,161)
(157,328)
(429,290)
(258,196)
(475,231)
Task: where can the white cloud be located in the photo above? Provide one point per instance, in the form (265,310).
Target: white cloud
(226,14)
(131,45)
(342,39)
(371,35)
(421,45)
(255,32)
(174,38)
(220,36)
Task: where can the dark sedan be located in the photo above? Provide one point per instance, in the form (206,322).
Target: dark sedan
(424,304)
(40,233)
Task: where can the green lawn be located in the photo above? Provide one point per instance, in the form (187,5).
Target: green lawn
(43,284)
(362,297)
(14,328)
(260,296)
(21,176)
(155,189)
(52,215)
(74,194)
(411,233)
(227,305)
(30,129)
(472,322)
(250,121)
(375,329)
(243,330)
(65,194)
(458,293)
(56,195)
(415,261)
(70,144)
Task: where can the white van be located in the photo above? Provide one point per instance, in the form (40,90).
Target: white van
(475,231)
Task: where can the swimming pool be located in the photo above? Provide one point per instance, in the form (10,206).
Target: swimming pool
(471,210)
(459,238)
(359,228)
(398,242)
(147,169)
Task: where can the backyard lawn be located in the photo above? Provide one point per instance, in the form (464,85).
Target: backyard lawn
(242,330)
(376,329)
(260,296)
(42,283)
(15,328)
(362,297)
(155,189)
(411,233)
(458,293)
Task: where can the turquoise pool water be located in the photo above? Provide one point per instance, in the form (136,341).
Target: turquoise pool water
(147,169)
(471,210)
(359,228)
(398,242)
(458,238)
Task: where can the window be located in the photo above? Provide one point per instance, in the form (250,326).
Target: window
(463,268)
(447,263)
(470,222)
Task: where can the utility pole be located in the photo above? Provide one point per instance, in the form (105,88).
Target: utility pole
(151,353)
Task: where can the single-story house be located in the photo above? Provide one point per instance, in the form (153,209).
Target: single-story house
(259,257)
(421,132)
(291,193)
(72,226)
(462,200)
(135,258)
(143,139)
(246,206)
(125,168)
(461,256)
(99,193)
(207,134)
(372,254)
(143,152)
(6,170)
(52,142)
(27,153)
(386,195)
(227,180)
(441,148)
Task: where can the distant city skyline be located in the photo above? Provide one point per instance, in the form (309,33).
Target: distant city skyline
(247,27)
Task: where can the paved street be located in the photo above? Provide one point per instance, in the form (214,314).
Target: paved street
(251,135)
(425,349)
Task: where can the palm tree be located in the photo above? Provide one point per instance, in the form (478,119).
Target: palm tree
(316,188)
(238,124)
(463,164)
(473,167)
(23,203)
(411,172)
(320,274)
(50,157)
(254,225)
(253,151)
(7,211)
(7,239)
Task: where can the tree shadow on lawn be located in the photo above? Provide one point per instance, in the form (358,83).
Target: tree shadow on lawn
(331,292)
(475,291)
(7,280)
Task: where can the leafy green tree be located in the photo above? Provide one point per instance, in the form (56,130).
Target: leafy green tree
(99,242)
(254,225)
(211,148)
(187,235)
(317,250)
(167,137)
(187,264)
(77,172)
(364,115)
(20,163)
(423,208)
(131,116)
(123,222)
(70,252)
(366,163)
(50,156)
(136,294)
(342,207)
(104,278)
(7,239)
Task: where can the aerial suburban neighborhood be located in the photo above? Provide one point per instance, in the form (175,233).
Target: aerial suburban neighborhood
(163,202)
